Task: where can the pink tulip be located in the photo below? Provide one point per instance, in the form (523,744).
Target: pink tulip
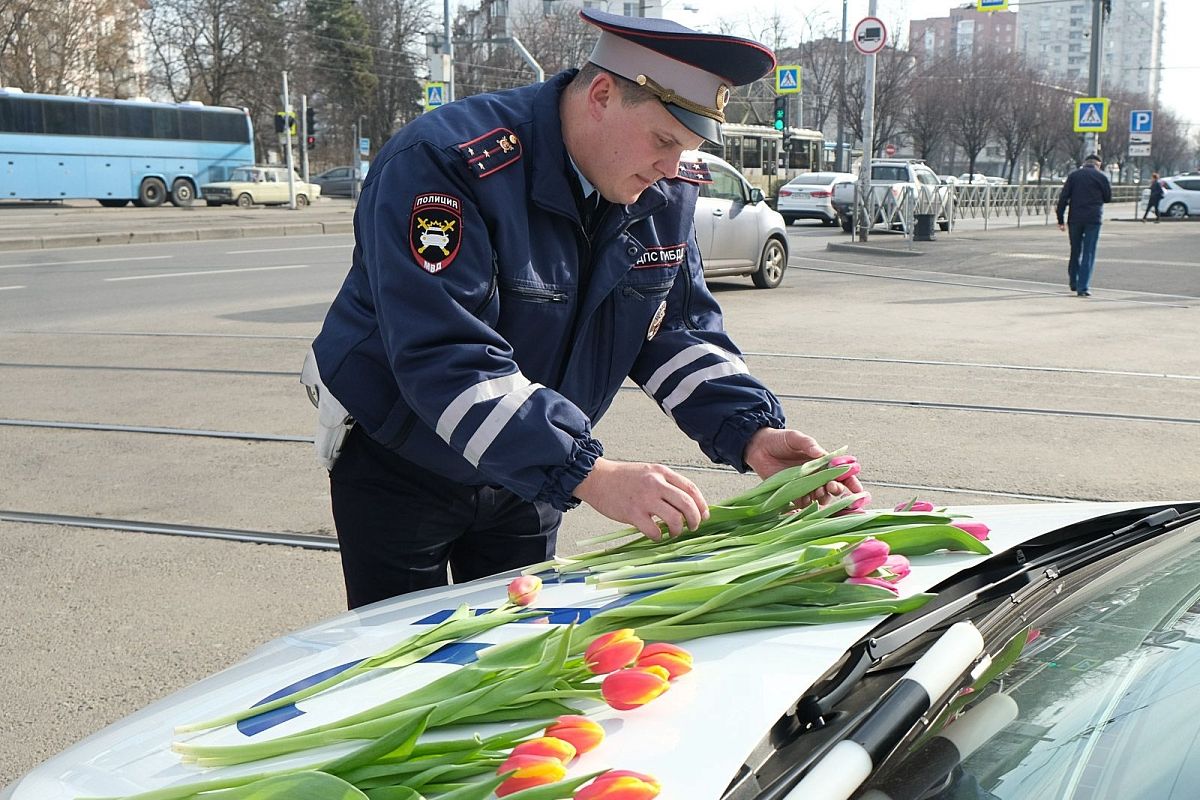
(866,557)
(674,659)
(976,529)
(524,590)
(895,568)
(877,582)
(584,734)
(631,688)
(620,784)
(612,651)
(841,461)
(915,505)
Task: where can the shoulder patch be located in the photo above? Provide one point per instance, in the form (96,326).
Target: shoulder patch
(491,152)
(694,172)
(435,231)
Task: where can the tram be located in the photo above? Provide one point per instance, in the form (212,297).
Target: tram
(768,157)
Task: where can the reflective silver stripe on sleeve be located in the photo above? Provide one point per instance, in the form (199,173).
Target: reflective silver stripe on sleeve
(495,422)
(688,385)
(479,393)
(682,359)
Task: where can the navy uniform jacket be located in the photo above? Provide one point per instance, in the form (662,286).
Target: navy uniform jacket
(479,333)
(1086,190)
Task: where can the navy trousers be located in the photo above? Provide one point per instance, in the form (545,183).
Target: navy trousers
(399,525)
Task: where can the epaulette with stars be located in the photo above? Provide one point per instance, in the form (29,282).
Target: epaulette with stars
(491,152)
(694,171)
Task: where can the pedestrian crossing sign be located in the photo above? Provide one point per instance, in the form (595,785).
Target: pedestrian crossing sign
(435,95)
(991,5)
(787,79)
(1091,114)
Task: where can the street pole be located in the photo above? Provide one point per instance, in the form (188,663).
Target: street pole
(1091,142)
(842,161)
(304,137)
(287,135)
(868,126)
(354,162)
(448,49)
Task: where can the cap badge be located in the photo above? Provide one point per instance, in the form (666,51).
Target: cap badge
(722,97)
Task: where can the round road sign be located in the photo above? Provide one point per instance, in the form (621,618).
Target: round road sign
(870,35)
(890,150)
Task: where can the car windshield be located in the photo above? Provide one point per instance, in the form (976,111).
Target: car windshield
(1105,696)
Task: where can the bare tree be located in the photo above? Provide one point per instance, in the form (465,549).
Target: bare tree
(894,73)
(396,34)
(926,118)
(972,110)
(1016,115)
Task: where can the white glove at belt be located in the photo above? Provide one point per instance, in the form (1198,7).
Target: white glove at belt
(333,421)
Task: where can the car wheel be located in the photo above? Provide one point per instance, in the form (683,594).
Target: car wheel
(301,200)
(847,223)
(245,200)
(1177,210)
(771,266)
(182,192)
(943,225)
(151,193)
(109,202)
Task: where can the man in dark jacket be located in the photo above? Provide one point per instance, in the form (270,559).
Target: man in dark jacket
(1156,196)
(1086,190)
(517,256)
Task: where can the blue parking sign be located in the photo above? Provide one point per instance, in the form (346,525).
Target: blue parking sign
(1141,122)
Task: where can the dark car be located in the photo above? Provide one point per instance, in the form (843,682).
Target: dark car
(338,181)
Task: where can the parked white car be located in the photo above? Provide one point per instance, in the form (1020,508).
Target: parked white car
(810,196)
(258,185)
(901,175)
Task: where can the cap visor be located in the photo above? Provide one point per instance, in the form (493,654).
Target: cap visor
(703,126)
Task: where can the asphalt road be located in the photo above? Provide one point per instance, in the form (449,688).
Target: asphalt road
(963,374)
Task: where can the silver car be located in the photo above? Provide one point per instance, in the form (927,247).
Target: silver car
(810,196)
(738,233)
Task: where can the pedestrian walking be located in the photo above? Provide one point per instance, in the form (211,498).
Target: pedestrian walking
(518,255)
(1086,190)
(1156,196)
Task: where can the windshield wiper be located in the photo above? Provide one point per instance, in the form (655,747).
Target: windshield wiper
(851,759)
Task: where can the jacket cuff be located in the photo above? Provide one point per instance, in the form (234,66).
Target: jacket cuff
(729,445)
(562,481)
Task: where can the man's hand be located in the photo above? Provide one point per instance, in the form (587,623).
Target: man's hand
(637,494)
(773,449)
(1062,227)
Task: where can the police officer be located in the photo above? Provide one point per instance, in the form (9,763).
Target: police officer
(517,256)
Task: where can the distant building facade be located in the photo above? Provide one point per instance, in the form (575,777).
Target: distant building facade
(1056,38)
(965,31)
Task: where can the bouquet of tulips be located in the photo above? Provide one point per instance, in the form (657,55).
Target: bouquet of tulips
(758,561)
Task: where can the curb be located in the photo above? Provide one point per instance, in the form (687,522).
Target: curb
(863,249)
(183,235)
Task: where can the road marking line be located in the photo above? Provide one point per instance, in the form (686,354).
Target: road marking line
(205,272)
(289,249)
(88,261)
(1040,257)
(4,288)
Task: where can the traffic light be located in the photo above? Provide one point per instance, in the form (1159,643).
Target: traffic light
(310,142)
(781,104)
(310,120)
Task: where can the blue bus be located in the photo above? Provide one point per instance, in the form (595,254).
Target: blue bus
(116,151)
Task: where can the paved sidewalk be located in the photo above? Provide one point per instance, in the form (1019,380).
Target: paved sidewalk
(38,226)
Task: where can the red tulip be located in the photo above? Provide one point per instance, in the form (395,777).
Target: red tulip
(674,659)
(620,784)
(550,746)
(915,505)
(583,734)
(530,771)
(612,651)
(524,590)
(866,557)
(631,688)
(976,529)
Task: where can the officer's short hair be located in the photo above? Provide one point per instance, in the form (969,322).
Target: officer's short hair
(631,93)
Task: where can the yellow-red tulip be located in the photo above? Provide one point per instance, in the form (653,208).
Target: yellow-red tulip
(612,651)
(584,734)
(630,688)
(674,659)
(524,590)
(529,771)
(620,784)
(550,746)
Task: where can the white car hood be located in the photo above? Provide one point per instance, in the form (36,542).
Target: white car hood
(693,738)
